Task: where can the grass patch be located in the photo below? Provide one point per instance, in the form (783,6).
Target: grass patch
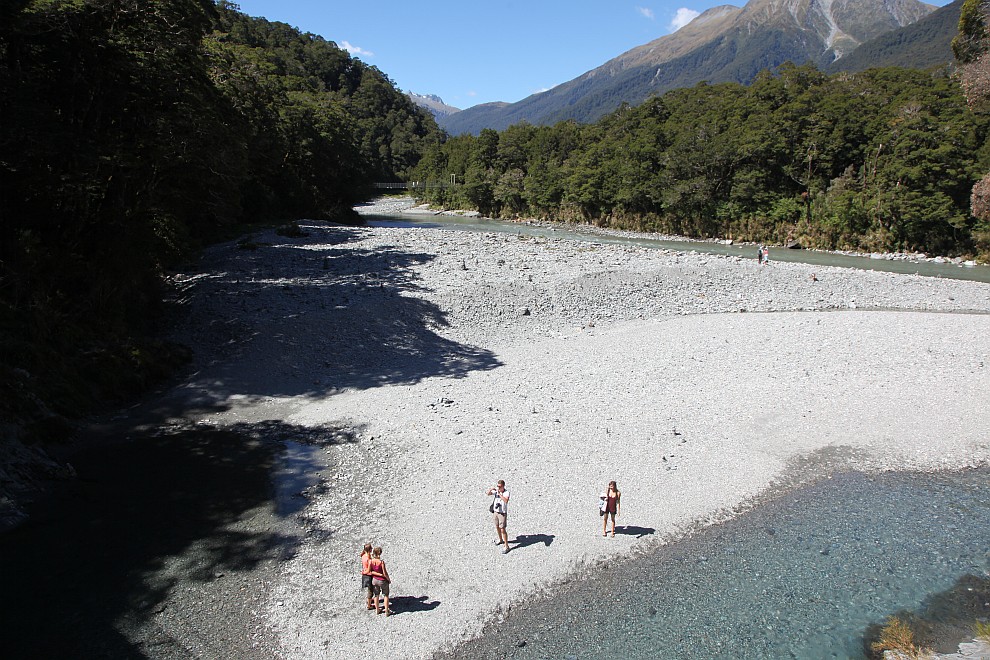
(897,636)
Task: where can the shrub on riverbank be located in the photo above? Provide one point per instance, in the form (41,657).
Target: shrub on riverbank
(897,636)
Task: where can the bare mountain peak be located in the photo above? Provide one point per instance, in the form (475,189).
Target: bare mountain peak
(714,14)
(724,44)
(433,103)
(840,25)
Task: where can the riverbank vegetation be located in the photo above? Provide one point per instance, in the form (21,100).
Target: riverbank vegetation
(897,637)
(878,161)
(135,131)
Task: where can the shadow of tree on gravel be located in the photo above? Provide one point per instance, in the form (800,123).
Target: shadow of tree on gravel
(98,568)
(312,318)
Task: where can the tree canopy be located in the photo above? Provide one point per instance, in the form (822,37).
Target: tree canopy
(879,161)
(133,130)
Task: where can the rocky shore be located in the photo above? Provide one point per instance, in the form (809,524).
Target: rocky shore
(444,360)
(458,358)
(409,206)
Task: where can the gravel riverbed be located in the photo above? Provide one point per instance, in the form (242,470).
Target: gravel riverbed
(451,359)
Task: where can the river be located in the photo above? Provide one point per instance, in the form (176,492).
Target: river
(865,262)
(810,574)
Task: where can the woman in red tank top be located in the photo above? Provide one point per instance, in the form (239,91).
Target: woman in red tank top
(380,580)
(612,498)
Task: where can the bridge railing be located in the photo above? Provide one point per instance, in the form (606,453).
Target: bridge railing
(414,185)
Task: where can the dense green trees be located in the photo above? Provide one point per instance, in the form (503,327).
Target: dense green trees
(972,50)
(881,160)
(132,130)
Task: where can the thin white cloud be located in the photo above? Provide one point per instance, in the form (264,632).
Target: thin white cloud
(355,50)
(646,12)
(683,17)
(472,93)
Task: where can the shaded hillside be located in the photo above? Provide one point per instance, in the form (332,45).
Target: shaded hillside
(921,45)
(132,133)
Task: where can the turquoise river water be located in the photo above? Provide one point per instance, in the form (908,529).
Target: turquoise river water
(808,575)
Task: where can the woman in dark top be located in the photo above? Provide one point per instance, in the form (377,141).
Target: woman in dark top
(612,497)
(366,574)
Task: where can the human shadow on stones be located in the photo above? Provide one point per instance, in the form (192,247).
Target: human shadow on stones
(411,604)
(307,316)
(945,619)
(633,530)
(525,540)
(159,532)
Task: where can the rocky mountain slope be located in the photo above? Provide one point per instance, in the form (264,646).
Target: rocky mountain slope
(724,44)
(434,104)
(920,45)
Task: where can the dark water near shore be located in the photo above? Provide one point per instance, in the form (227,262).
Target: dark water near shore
(947,270)
(804,576)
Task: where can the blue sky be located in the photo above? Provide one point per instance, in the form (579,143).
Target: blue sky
(470,51)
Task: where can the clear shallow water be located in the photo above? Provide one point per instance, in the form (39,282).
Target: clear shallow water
(803,576)
(974,273)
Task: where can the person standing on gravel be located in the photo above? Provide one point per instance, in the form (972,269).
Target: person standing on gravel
(380,580)
(366,573)
(611,501)
(500,509)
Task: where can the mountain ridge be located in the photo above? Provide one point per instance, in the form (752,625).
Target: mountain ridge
(899,47)
(434,104)
(724,44)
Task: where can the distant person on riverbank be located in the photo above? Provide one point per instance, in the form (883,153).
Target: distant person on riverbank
(500,510)
(611,498)
(765,251)
(380,580)
(366,573)
(759,254)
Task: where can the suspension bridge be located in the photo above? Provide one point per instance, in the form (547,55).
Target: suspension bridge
(416,185)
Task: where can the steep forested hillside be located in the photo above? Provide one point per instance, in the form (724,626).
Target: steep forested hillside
(133,130)
(878,161)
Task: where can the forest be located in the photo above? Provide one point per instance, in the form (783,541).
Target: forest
(883,160)
(133,132)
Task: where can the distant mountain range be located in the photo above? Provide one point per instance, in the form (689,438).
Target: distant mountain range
(732,44)
(434,104)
